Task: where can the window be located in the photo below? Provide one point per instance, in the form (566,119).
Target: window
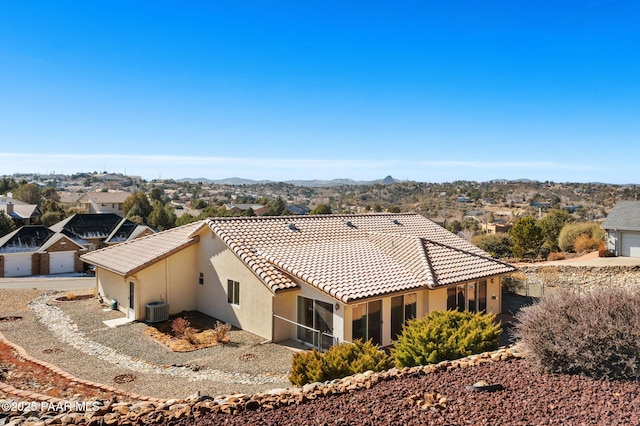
(318,316)
(201,279)
(403,308)
(233,292)
(366,322)
(470,297)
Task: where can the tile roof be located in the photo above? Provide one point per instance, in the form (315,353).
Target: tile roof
(356,256)
(131,256)
(108,197)
(624,216)
(350,257)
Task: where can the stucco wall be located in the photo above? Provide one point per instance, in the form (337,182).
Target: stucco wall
(219,264)
(170,280)
(113,287)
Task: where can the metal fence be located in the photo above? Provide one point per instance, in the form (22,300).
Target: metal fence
(321,340)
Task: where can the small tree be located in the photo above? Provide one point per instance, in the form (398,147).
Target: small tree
(7,225)
(321,209)
(551,225)
(162,217)
(277,207)
(137,204)
(29,193)
(497,245)
(51,217)
(445,335)
(526,237)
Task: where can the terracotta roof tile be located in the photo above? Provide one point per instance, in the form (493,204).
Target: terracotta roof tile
(348,257)
(129,257)
(357,256)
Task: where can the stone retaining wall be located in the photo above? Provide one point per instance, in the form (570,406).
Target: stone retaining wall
(143,412)
(581,278)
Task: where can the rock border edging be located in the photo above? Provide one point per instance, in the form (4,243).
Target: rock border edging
(155,410)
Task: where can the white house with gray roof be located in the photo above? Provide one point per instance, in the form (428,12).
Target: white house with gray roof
(318,279)
(622,226)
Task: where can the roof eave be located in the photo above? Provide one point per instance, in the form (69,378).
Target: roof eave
(130,272)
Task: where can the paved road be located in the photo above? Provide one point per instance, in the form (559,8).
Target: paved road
(49,283)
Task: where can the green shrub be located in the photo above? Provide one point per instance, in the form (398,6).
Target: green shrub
(515,282)
(497,245)
(595,334)
(571,232)
(445,335)
(338,361)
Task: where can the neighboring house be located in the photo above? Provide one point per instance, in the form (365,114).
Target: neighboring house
(258,209)
(21,213)
(298,209)
(622,226)
(497,227)
(69,199)
(37,250)
(94,231)
(295,277)
(103,202)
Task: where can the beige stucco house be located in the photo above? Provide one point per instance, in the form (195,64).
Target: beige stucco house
(103,202)
(317,279)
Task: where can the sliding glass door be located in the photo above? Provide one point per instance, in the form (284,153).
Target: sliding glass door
(367,321)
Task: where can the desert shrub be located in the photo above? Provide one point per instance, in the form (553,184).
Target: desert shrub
(556,256)
(514,282)
(444,335)
(179,326)
(572,231)
(603,251)
(585,243)
(497,245)
(338,361)
(220,332)
(595,334)
(191,335)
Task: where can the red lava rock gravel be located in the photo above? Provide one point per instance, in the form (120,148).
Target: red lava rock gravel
(528,398)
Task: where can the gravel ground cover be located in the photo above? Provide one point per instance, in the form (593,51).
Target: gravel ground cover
(266,358)
(528,398)
(40,343)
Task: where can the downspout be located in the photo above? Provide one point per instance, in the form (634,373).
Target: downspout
(166,280)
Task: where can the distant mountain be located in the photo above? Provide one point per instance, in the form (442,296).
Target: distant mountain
(310,183)
(227,181)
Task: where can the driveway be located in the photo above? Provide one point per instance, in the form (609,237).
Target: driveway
(60,283)
(589,259)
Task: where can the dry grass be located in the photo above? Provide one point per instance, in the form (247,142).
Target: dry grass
(189,331)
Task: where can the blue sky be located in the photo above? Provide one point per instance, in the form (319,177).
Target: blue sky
(428,91)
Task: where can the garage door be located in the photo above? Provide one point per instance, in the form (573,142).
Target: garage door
(61,262)
(17,265)
(630,244)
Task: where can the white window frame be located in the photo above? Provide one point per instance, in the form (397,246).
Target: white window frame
(233,292)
